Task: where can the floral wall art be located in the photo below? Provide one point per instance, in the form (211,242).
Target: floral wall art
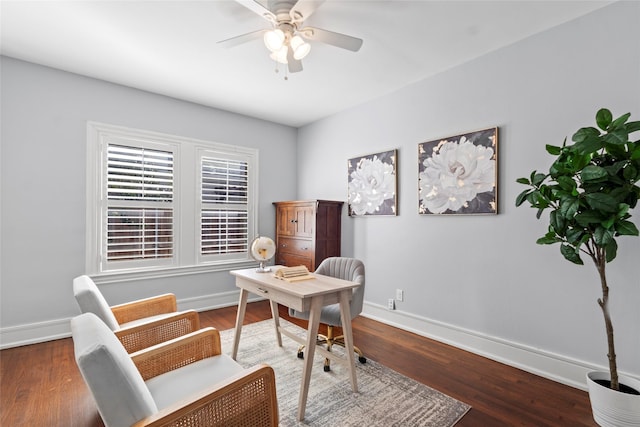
(458,174)
(372,184)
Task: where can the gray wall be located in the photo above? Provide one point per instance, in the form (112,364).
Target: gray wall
(481,282)
(44,115)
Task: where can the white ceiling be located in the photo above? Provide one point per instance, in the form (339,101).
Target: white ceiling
(169,47)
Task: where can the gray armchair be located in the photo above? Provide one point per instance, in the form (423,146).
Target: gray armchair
(137,324)
(342,268)
(186,381)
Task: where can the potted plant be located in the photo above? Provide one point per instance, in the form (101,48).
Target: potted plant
(590,189)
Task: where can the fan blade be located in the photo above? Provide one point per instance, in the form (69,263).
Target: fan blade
(258,9)
(293,64)
(329,37)
(235,41)
(304,9)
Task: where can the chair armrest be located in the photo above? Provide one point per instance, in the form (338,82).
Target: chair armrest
(147,334)
(245,399)
(177,353)
(146,307)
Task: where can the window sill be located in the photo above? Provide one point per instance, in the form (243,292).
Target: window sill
(157,273)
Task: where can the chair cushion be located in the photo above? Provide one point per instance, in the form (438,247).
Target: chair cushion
(113,379)
(178,384)
(91,300)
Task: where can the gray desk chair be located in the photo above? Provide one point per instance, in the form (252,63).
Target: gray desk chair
(342,268)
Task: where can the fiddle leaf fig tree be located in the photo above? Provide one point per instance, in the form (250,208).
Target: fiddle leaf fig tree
(589,191)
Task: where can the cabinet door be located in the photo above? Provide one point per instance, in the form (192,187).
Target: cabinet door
(285,215)
(303,220)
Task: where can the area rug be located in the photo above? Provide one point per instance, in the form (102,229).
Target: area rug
(385,398)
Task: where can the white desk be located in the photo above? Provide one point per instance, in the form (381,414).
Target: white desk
(306,295)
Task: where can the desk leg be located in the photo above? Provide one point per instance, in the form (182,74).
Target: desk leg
(242,306)
(276,321)
(345,314)
(310,348)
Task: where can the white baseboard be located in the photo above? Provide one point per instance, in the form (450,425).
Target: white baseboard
(549,365)
(33,333)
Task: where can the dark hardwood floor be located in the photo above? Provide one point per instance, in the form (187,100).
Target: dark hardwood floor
(40,384)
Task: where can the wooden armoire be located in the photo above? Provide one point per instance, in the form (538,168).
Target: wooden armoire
(307,231)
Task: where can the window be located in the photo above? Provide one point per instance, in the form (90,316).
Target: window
(158,201)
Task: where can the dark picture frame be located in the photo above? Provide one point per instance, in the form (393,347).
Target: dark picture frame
(458,175)
(372,184)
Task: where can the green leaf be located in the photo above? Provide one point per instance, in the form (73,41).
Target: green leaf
(579,162)
(602,236)
(588,217)
(616,167)
(593,173)
(626,228)
(584,133)
(619,121)
(558,223)
(569,207)
(630,173)
(603,118)
(617,137)
(588,145)
(602,202)
(548,239)
(553,150)
(633,127)
(524,181)
(608,223)
(522,197)
(610,251)
(537,179)
(571,254)
(574,235)
(623,210)
(566,183)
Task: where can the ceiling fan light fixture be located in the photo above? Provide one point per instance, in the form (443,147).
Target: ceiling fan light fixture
(300,47)
(274,39)
(280,55)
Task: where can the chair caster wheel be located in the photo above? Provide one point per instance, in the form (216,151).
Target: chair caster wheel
(327,368)
(301,355)
(362,359)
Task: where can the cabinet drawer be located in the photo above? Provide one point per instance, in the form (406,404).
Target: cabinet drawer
(293,260)
(298,246)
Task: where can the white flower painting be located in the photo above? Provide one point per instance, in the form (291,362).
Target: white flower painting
(372,184)
(458,175)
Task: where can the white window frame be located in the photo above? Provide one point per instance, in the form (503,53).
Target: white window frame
(187,258)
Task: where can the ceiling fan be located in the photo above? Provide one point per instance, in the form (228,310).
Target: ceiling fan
(286,38)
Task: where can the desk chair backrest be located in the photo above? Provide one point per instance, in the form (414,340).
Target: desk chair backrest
(347,269)
(91,300)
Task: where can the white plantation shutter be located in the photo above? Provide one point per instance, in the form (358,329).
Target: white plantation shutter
(224,198)
(166,204)
(140,203)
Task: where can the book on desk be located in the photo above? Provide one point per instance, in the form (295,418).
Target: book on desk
(293,274)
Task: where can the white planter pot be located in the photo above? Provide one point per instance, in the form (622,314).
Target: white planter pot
(612,408)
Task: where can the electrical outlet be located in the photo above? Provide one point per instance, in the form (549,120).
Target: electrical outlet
(391,305)
(399,294)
